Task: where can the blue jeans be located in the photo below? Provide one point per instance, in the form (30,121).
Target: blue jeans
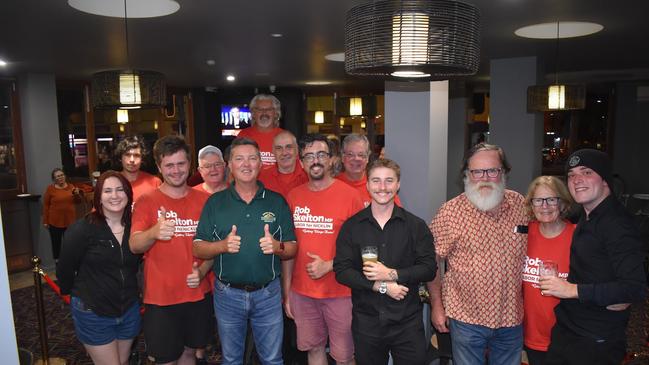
(470,343)
(263,307)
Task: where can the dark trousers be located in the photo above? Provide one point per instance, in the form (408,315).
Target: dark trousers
(406,342)
(56,235)
(568,349)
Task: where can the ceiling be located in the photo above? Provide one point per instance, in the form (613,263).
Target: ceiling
(50,36)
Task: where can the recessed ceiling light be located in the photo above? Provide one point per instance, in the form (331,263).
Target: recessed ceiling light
(210,62)
(276,35)
(3,63)
(566,30)
(134,9)
(318,83)
(230,78)
(336,57)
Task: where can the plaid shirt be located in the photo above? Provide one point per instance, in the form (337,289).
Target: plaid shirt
(485,259)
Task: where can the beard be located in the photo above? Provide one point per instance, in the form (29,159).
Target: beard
(312,175)
(483,200)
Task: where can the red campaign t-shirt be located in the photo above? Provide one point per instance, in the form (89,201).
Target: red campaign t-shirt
(283,183)
(167,263)
(539,310)
(361,187)
(318,216)
(265,142)
(144,183)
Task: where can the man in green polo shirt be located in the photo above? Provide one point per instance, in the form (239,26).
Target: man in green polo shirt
(247,230)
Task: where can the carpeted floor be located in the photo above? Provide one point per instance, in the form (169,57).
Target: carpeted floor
(63,342)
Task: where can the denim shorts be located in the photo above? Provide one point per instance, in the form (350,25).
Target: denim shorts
(96,330)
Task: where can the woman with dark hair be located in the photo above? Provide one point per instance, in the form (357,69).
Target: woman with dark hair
(99,270)
(58,208)
(549,238)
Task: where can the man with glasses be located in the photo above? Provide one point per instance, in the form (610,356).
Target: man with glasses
(131,151)
(247,230)
(287,173)
(480,296)
(355,155)
(606,267)
(212,169)
(266,111)
(321,306)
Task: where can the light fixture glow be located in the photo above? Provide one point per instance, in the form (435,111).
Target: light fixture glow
(363,125)
(556,97)
(122,116)
(3,63)
(121,128)
(342,122)
(355,106)
(129,89)
(336,57)
(319,117)
(409,39)
(276,35)
(230,78)
(409,74)
(155,125)
(317,83)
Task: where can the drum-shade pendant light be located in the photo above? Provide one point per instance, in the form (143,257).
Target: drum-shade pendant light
(556,96)
(413,38)
(129,88)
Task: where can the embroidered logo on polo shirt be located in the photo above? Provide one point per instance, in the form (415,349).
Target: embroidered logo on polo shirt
(574,160)
(268,217)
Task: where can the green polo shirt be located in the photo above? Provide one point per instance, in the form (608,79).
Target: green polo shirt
(250,265)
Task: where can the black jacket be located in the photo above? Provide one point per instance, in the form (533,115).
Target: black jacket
(606,263)
(94,267)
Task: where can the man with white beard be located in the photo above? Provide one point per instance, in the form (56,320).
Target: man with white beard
(480,297)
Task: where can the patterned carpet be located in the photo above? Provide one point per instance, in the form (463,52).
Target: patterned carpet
(63,342)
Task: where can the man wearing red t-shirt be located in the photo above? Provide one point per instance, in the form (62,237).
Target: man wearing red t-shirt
(287,173)
(320,305)
(130,151)
(266,111)
(356,152)
(178,303)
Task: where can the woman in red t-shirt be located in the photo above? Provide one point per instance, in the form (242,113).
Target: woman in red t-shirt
(549,238)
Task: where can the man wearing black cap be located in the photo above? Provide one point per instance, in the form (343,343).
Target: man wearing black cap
(606,267)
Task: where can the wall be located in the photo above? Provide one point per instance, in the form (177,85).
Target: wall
(630,137)
(8,345)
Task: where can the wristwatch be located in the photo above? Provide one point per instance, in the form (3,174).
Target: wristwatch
(383,287)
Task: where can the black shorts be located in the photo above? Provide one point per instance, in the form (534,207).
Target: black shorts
(169,329)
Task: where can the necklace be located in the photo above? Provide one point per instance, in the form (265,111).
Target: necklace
(118,232)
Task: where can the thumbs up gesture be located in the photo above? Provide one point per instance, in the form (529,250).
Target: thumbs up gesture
(266,242)
(232,241)
(194,279)
(165,227)
(318,267)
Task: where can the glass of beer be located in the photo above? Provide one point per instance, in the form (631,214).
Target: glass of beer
(548,268)
(370,254)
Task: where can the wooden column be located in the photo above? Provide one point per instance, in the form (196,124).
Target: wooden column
(90,132)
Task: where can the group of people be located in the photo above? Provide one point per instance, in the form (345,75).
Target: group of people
(491,239)
(273,233)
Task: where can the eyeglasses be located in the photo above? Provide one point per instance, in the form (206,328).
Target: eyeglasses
(215,165)
(361,155)
(479,173)
(310,157)
(551,201)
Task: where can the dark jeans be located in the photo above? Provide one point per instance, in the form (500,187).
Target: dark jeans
(56,235)
(405,341)
(568,349)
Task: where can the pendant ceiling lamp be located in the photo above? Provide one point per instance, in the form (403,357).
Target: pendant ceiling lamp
(556,96)
(129,88)
(413,38)
(355,106)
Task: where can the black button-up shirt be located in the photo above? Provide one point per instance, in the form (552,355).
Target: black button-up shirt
(606,263)
(406,245)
